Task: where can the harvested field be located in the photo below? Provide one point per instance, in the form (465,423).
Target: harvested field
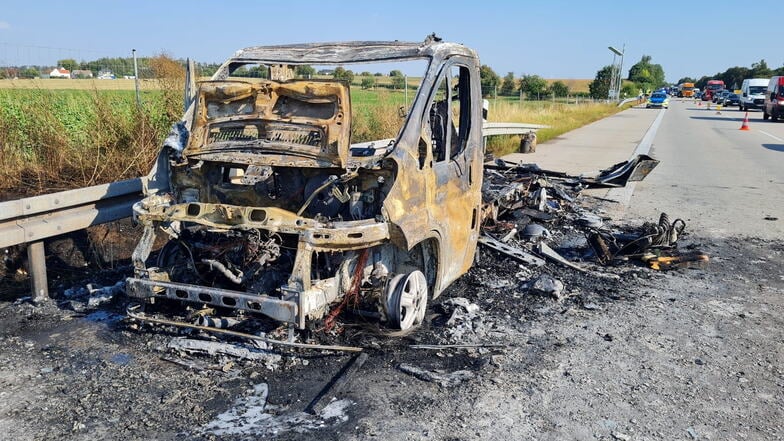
(78,84)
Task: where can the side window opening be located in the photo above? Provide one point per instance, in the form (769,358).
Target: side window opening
(461,108)
(450,114)
(440,124)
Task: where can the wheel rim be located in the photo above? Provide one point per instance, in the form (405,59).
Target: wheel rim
(407,300)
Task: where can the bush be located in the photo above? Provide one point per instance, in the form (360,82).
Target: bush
(559,89)
(343,74)
(398,82)
(56,140)
(368,82)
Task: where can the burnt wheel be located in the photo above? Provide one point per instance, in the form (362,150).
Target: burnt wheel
(406,298)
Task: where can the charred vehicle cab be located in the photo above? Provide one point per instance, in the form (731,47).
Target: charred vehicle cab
(269,207)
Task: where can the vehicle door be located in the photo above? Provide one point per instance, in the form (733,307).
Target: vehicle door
(455,126)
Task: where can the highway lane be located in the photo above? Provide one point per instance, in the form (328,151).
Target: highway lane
(595,146)
(721,180)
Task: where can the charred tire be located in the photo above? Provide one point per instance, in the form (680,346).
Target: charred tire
(406,300)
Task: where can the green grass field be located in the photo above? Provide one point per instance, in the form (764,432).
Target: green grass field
(58,139)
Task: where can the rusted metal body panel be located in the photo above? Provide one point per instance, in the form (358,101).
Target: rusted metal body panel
(307,121)
(269,208)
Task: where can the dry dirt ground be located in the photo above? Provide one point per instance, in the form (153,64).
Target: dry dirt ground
(692,354)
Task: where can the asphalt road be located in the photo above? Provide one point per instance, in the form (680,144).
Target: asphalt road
(721,180)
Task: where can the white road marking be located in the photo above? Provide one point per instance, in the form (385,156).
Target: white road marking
(772,136)
(624,195)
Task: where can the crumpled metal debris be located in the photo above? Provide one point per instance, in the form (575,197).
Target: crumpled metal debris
(444,379)
(214,348)
(100,295)
(465,319)
(548,285)
(656,244)
(527,207)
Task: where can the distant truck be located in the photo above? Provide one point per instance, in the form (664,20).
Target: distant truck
(713,87)
(752,93)
(686,90)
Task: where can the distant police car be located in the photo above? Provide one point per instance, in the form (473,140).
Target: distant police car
(658,99)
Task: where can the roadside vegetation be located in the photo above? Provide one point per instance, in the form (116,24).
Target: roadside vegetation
(561,118)
(85,132)
(57,139)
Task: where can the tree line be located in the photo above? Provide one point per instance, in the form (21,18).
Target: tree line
(733,77)
(644,76)
(532,86)
(123,66)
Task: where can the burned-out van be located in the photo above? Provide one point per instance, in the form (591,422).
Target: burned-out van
(271,204)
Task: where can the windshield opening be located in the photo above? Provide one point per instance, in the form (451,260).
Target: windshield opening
(757,90)
(382,93)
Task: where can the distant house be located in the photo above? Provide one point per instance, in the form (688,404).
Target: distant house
(60,72)
(106,75)
(79,73)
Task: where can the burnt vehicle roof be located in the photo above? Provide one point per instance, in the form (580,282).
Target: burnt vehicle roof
(350,52)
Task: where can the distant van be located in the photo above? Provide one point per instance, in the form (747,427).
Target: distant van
(752,93)
(774,99)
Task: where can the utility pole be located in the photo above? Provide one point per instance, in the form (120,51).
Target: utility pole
(405,89)
(615,73)
(136,78)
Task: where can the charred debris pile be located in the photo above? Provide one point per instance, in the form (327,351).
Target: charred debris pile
(537,217)
(536,223)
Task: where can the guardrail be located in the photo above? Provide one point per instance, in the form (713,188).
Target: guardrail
(31,220)
(627,100)
(504,128)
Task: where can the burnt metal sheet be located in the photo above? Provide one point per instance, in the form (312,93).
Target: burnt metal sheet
(281,310)
(511,251)
(351,52)
(296,123)
(635,169)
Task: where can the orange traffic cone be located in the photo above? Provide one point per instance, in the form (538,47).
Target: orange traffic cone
(745,125)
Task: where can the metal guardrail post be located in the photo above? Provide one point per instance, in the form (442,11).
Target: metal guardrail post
(36,258)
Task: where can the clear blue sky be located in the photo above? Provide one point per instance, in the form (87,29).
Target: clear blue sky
(554,39)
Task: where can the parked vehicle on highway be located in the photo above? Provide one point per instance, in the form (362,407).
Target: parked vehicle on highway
(713,87)
(698,94)
(753,93)
(773,106)
(658,100)
(685,90)
(719,96)
(731,100)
